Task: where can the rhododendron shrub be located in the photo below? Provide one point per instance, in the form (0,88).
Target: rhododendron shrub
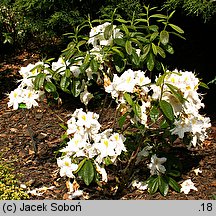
(155,109)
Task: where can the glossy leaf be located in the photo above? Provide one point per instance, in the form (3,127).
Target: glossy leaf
(64,83)
(80,165)
(108,31)
(164,37)
(128,47)
(161,52)
(167,110)
(176,28)
(125,29)
(76,87)
(153,184)
(154,48)
(163,185)
(154,35)
(39,81)
(173,184)
(128,99)
(161,16)
(94,65)
(122,120)
(88,172)
(169,49)
(117,51)
(150,62)
(50,87)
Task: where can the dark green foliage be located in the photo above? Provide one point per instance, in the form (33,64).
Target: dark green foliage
(203,8)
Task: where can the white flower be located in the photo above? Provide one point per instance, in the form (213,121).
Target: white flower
(85,96)
(187,185)
(156,166)
(30,97)
(96,35)
(15,97)
(197,171)
(139,185)
(101,171)
(60,65)
(127,81)
(144,153)
(66,167)
(140,78)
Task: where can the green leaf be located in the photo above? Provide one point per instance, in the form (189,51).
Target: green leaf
(154,35)
(50,87)
(176,28)
(164,124)
(164,37)
(76,87)
(163,185)
(153,184)
(150,62)
(154,113)
(128,47)
(125,29)
(39,81)
(55,95)
(88,172)
(107,161)
(120,42)
(117,51)
(146,50)
(121,120)
(67,72)
(174,173)
(167,110)
(161,16)
(173,184)
(64,83)
(169,49)
(119,63)
(137,109)
(108,31)
(121,20)
(204,85)
(22,106)
(176,91)
(63,126)
(135,58)
(154,48)
(153,28)
(80,43)
(171,14)
(94,65)
(128,98)
(80,165)
(161,52)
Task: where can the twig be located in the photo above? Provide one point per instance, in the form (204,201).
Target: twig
(30,132)
(102,109)
(133,156)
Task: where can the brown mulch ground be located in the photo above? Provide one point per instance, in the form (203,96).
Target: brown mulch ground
(16,147)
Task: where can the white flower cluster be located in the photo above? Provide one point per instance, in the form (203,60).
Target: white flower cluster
(186,111)
(131,82)
(87,142)
(97,38)
(61,65)
(25,92)
(188,118)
